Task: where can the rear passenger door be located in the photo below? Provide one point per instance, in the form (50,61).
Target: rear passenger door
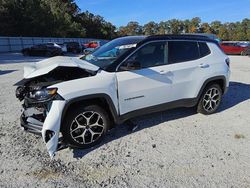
(188,63)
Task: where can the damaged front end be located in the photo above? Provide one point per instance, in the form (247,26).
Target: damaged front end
(41,114)
(43,105)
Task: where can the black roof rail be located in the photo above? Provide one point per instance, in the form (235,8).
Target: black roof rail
(180,36)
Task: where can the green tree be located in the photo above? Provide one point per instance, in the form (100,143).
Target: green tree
(176,26)
(245,24)
(205,28)
(186,26)
(223,32)
(150,28)
(58,18)
(95,26)
(132,28)
(215,26)
(240,33)
(195,25)
(231,28)
(164,28)
(63,18)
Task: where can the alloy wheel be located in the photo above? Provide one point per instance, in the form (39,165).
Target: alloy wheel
(211,99)
(87,127)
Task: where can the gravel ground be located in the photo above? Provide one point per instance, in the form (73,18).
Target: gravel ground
(175,148)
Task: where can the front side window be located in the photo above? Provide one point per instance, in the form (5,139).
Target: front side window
(181,51)
(111,51)
(150,55)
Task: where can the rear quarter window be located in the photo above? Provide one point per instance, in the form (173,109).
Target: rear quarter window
(204,49)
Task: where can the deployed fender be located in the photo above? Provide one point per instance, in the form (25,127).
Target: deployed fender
(51,126)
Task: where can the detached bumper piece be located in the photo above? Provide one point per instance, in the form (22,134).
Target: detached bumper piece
(32,120)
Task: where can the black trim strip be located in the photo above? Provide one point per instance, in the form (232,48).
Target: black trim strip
(161,107)
(213,79)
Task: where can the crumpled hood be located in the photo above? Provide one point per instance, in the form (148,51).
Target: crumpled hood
(45,66)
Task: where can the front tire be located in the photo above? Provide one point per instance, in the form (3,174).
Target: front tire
(210,99)
(85,126)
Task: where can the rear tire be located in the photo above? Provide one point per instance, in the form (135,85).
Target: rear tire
(243,53)
(210,99)
(85,126)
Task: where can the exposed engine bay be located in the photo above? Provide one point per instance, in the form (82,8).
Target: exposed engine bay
(34,93)
(59,74)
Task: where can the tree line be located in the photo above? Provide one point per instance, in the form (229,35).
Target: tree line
(63,18)
(51,18)
(239,31)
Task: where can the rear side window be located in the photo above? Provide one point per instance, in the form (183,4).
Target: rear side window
(181,51)
(204,49)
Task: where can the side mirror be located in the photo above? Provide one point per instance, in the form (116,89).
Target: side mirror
(131,65)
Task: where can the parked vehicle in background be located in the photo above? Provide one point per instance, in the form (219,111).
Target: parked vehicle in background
(64,48)
(244,44)
(80,99)
(47,49)
(246,52)
(73,47)
(91,46)
(53,44)
(234,48)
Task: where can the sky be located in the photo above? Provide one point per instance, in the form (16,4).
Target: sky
(120,12)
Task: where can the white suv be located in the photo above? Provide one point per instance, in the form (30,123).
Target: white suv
(77,100)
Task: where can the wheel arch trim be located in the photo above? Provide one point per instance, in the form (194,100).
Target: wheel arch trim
(215,78)
(102,96)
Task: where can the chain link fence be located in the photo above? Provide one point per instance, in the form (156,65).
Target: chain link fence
(16,44)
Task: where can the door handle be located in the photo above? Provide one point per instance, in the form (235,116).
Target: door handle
(164,72)
(203,65)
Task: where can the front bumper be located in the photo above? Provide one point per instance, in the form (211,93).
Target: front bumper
(30,127)
(45,123)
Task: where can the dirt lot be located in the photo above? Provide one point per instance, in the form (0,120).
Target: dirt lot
(176,148)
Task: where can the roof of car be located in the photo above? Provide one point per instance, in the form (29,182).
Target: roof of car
(178,37)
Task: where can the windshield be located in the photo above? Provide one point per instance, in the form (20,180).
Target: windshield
(109,52)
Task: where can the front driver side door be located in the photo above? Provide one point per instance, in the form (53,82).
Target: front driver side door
(148,85)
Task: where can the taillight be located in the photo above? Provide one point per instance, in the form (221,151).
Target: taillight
(227,62)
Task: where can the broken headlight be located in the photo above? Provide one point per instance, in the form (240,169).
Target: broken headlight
(43,94)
